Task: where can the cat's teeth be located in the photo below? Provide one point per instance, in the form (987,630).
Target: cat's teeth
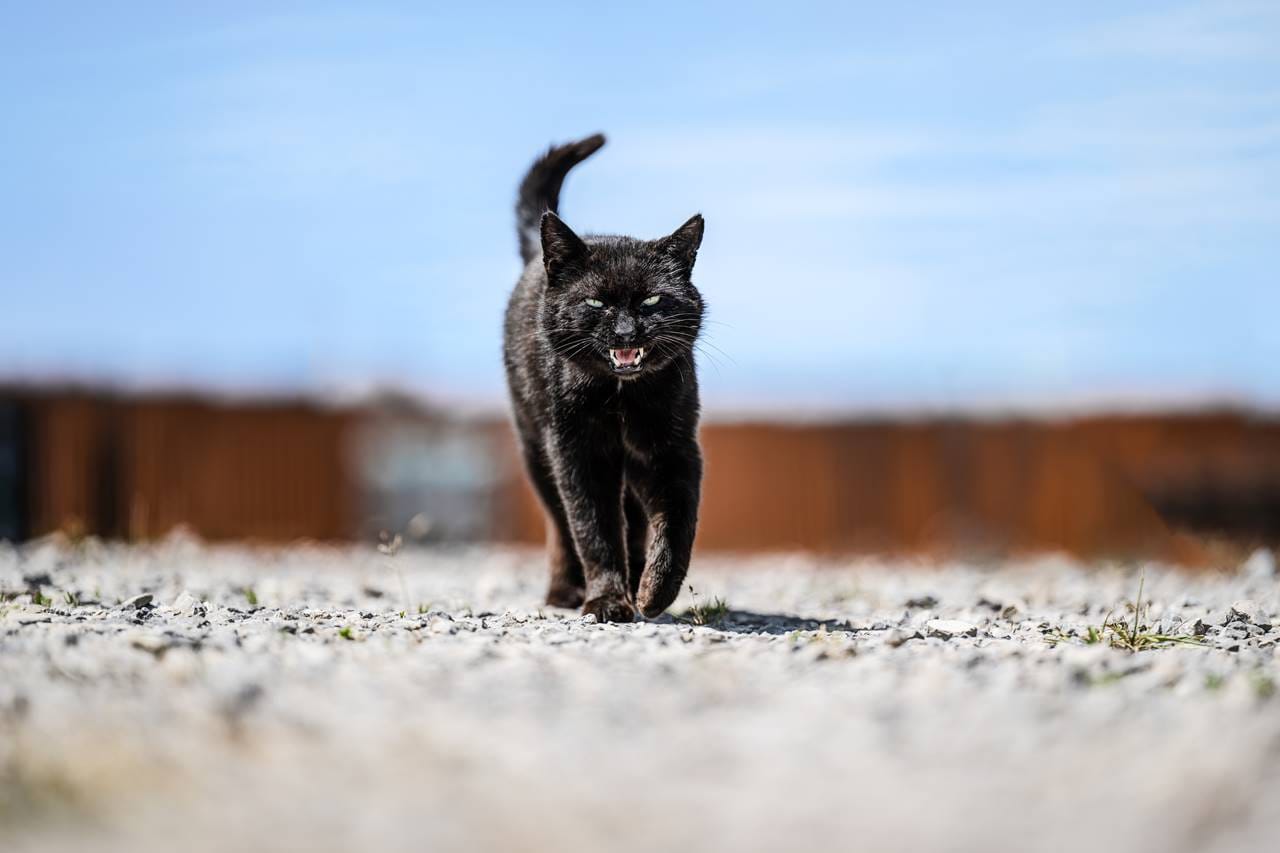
(628,357)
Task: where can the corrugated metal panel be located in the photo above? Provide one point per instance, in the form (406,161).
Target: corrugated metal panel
(271,472)
(138,469)
(14,463)
(67,444)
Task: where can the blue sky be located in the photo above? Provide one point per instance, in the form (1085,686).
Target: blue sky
(946,206)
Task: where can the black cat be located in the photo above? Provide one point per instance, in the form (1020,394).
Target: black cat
(600,336)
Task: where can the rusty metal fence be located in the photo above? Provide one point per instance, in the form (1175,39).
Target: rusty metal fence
(1172,486)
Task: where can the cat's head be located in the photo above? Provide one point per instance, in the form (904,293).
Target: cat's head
(618,306)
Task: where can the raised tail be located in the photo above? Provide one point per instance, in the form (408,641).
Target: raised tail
(540,190)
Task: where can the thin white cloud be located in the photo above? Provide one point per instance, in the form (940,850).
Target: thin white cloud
(1206,31)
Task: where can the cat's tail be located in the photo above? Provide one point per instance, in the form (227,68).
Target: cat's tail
(540,190)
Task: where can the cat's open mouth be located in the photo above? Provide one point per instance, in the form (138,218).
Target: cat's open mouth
(626,360)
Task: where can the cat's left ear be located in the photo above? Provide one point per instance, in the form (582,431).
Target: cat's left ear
(684,242)
(563,253)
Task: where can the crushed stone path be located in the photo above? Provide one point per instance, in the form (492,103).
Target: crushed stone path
(183,696)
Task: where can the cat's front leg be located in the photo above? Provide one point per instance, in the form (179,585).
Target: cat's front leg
(589,477)
(670,488)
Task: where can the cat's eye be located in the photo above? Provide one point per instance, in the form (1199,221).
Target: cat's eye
(651,301)
(594,303)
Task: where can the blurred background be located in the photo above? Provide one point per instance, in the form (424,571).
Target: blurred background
(984,279)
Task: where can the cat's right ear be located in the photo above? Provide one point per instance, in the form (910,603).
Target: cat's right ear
(563,252)
(683,244)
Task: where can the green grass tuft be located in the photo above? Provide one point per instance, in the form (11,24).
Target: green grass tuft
(1132,635)
(710,614)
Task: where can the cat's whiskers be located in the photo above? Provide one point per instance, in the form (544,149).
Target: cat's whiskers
(685,349)
(680,349)
(688,341)
(573,348)
(697,341)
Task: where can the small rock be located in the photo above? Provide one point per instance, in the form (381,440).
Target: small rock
(1196,627)
(897,636)
(922,601)
(1237,631)
(1220,617)
(189,604)
(1246,610)
(137,602)
(947,628)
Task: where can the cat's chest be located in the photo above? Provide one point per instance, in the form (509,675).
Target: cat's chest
(641,423)
(637,418)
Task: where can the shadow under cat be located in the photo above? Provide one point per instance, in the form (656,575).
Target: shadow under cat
(752,622)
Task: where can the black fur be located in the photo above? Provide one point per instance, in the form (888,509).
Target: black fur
(612,449)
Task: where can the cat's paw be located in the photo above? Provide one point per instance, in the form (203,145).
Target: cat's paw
(660,583)
(564,595)
(610,608)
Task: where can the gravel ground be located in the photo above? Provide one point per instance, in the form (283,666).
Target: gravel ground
(179,696)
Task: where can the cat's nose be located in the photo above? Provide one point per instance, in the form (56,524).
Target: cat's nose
(624,327)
